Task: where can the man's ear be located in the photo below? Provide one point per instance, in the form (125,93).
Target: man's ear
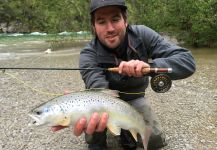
(126,24)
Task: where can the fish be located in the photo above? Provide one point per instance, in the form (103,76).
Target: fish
(66,110)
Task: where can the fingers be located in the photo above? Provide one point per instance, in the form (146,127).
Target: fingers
(96,124)
(80,127)
(121,66)
(102,123)
(92,124)
(127,68)
(138,69)
(132,68)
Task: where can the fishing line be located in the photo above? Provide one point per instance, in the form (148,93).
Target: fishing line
(129,93)
(30,87)
(58,94)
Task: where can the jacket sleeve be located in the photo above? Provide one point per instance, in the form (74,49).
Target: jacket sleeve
(167,55)
(91,78)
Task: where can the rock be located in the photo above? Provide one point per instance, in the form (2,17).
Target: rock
(189,147)
(169,38)
(48,51)
(202,141)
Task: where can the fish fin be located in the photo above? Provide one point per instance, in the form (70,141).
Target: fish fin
(65,121)
(115,130)
(114,93)
(145,137)
(134,134)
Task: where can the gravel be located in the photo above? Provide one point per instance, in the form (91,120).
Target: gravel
(187,112)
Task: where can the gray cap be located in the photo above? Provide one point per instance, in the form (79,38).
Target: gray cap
(96,4)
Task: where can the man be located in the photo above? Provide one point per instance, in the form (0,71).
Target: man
(117,44)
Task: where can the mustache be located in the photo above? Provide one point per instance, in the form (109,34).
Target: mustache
(108,34)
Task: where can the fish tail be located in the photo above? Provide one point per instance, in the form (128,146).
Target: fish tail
(146,136)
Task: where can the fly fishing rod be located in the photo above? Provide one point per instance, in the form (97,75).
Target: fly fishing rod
(160,82)
(115,69)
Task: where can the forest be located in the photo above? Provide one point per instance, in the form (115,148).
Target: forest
(194,22)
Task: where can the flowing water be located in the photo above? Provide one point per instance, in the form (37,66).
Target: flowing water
(12,46)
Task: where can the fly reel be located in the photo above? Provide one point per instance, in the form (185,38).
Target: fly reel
(161,83)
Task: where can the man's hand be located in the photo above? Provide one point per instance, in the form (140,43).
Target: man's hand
(132,68)
(96,124)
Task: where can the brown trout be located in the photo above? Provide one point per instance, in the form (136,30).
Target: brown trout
(66,110)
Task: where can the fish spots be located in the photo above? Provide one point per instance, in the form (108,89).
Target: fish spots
(62,110)
(71,103)
(68,107)
(46,109)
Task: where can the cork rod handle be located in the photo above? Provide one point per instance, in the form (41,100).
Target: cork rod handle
(147,70)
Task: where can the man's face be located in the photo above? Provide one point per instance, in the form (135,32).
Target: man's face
(110,26)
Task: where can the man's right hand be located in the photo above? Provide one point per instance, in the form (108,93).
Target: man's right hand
(96,124)
(132,68)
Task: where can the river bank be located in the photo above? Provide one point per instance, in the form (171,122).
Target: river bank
(187,112)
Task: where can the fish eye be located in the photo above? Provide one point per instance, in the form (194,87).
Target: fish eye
(38,112)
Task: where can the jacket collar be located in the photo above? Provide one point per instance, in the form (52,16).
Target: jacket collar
(133,38)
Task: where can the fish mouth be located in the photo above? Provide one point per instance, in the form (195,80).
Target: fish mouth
(36,120)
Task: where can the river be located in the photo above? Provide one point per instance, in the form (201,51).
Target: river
(14,46)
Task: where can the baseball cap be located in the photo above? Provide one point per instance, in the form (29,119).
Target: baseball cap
(96,4)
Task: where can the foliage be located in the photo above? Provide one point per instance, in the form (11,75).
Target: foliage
(194,19)
(194,22)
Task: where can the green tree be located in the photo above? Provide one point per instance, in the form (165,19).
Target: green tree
(192,21)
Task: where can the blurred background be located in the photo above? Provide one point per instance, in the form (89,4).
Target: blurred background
(191,22)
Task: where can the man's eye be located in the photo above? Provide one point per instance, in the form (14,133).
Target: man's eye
(116,19)
(101,22)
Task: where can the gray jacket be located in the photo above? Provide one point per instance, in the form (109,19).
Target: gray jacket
(143,44)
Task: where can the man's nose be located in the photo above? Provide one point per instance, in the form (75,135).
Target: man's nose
(110,26)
